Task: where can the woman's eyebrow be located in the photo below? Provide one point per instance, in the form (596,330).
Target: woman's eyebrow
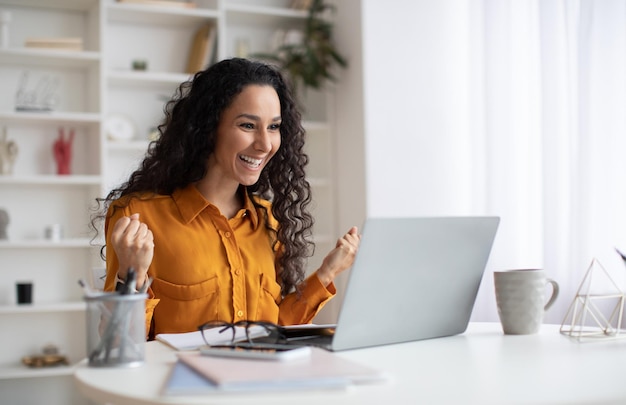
(249,116)
(257,118)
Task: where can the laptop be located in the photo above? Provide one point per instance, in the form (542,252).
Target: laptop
(412,279)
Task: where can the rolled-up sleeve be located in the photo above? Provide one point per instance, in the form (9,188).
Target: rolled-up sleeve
(301,308)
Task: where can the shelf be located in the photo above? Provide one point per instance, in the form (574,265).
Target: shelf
(52,117)
(49,58)
(263,16)
(71,180)
(79,306)
(133,78)
(254,10)
(43,243)
(20,371)
(148,14)
(79,5)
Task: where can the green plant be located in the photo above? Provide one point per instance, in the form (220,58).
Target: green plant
(309,62)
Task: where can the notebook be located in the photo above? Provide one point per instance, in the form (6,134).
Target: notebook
(197,373)
(187,380)
(412,279)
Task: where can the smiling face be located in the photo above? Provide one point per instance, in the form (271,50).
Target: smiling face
(248,136)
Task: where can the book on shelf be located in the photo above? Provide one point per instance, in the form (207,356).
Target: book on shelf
(65,44)
(195,373)
(162,3)
(202,50)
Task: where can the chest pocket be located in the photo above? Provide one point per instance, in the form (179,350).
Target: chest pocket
(269,298)
(183,307)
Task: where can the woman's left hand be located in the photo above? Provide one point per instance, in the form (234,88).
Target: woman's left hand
(341,257)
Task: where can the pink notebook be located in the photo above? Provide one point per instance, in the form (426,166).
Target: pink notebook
(320,368)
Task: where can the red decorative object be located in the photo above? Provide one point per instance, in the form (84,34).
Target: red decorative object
(62,149)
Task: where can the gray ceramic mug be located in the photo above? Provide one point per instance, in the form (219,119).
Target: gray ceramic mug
(521,299)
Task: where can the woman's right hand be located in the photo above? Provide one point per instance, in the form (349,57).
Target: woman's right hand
(133,243)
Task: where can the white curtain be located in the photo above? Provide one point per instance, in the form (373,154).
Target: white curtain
(549,114)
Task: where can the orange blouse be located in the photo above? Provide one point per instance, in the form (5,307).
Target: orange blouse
(207,267)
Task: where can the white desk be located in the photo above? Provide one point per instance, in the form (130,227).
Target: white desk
(481,366)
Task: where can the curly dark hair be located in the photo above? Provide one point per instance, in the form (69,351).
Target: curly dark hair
(187,139)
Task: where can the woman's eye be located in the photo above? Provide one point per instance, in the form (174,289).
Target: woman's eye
(247,125)
(274,127)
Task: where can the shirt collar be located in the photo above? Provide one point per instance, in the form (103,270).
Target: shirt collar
(250,209)
(191,202)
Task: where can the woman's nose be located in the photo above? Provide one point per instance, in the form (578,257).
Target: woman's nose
(263,141)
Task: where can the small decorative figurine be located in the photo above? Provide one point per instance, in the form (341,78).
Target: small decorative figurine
(43,97)
(49,358)
(62,149)
(4,223)
(139,64)
(8,153)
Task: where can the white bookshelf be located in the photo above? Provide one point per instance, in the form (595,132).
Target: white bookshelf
(93,84)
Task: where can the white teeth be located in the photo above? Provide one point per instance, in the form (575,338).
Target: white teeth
(251,161)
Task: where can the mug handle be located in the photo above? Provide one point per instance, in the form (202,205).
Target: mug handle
(555,293)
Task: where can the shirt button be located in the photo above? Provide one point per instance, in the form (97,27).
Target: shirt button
(240,313)
(227,234)
(238,272)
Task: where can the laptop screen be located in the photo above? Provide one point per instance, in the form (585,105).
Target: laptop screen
(413,278)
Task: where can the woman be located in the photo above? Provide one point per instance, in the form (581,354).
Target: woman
(196,217)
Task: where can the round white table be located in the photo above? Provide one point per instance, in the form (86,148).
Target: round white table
(481,366)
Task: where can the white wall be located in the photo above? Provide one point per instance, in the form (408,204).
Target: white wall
(404,113)
(416,64)
(403,109)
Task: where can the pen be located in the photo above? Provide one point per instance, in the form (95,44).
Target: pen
(117,331)
(130,282)
(123,327)
(91,293)
(119,321)
(107,338)
(88,292)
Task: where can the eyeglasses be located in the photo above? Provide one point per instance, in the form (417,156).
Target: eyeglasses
(241,333)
